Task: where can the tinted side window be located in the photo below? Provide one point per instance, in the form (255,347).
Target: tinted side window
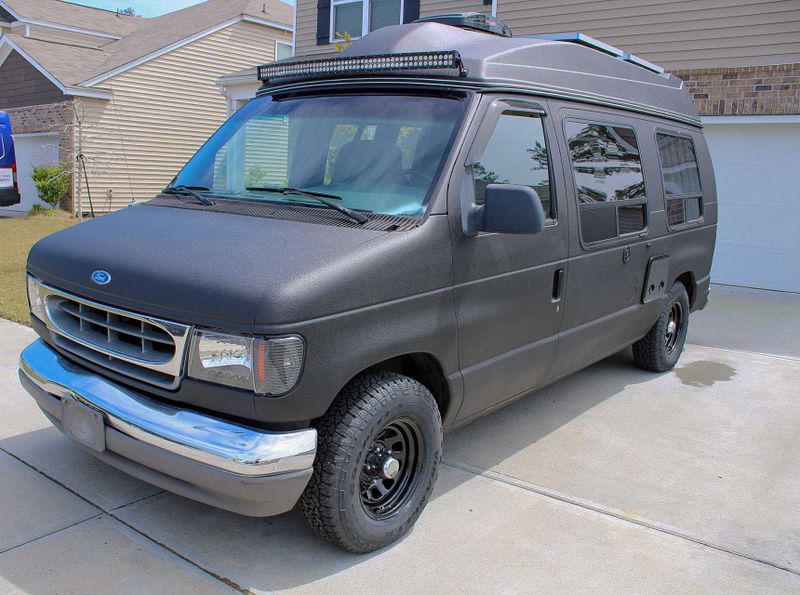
(608,179)
(681,178)
(516,154)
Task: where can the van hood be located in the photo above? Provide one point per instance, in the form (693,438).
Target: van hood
(213,269)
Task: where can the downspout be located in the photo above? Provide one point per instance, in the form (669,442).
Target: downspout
(494,8)
(294,29)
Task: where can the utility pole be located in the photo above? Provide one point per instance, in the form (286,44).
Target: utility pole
(76,177)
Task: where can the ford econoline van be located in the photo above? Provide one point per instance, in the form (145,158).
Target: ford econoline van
(382,245)
(9,190)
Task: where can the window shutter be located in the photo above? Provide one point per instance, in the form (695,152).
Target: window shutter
(410,10)
(324,22)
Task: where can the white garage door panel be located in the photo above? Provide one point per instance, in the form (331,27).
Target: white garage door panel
(757,168)
(30,150)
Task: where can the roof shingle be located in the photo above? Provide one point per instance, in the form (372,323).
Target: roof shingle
(75,15)
(73,64)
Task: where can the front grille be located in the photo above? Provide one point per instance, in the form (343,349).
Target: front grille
(113,332)
(142,347)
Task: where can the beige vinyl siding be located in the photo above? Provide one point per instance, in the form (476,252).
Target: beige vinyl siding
(307,20)
(162,111)
(60,36)
(306,39)
(432,7)
(687,34)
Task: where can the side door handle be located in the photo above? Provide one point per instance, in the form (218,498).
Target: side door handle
(558,285)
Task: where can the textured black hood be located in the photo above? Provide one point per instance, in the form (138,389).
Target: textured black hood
(207,268)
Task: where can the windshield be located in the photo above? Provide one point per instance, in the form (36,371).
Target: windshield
(374,153)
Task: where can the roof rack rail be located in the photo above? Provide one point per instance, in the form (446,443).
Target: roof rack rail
(591,42)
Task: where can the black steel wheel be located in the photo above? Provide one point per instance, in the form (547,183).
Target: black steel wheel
(378,455)
(673,329)
(391,468)
(660,349)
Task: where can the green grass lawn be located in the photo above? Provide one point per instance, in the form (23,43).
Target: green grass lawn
(17,235)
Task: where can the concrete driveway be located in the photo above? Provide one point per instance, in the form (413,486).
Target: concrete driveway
(614,480)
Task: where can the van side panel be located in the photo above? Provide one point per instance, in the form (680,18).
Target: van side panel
(605,281)
(340,346)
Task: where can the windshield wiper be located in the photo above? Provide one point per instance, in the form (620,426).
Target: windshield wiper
(320,196)
(189,191)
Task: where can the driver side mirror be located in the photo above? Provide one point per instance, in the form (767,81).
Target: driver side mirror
(509,208)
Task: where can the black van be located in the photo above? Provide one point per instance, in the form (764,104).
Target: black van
(382,245)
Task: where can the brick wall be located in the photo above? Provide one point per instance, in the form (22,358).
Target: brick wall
(749,90)
(21,84)
(54,117)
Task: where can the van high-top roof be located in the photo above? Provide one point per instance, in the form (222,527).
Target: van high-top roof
(524,64)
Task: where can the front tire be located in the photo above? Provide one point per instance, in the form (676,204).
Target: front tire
(660,349)
(378,455)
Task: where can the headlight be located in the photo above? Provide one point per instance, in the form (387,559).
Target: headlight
(266,366)
(35,301)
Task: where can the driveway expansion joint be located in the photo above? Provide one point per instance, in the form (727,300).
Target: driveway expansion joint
(610,512)
(784,358)
(228,582)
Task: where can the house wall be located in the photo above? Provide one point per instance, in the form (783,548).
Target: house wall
(429,8)
(162,111)
(22,85)
(673,34)
(307,20)
(753,90)
(306,41)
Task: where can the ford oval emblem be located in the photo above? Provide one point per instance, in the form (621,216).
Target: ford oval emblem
(101,277)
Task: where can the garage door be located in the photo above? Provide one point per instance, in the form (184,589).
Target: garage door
(757,168)
(31,150)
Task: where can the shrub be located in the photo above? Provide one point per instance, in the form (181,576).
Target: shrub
(52,182)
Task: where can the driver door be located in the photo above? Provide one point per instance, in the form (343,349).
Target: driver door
(509,288)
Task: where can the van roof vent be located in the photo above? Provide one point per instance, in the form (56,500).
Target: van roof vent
(470,20)
(591,42)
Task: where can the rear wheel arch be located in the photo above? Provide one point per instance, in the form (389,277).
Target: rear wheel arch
(690,283)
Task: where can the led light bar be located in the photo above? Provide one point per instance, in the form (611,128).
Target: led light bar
(362,64)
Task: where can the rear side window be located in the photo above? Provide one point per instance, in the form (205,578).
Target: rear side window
(516,154)
(681,179)
(608,179)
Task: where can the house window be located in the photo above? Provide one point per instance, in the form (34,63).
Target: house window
(608,180)
(359,17)
(516,154)
(283,50)
(681,176)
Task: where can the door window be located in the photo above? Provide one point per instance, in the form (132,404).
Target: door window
(516,154)
(681,178)
(608,177)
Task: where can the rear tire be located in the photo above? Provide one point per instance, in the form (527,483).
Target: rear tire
(660,349)
(378,453)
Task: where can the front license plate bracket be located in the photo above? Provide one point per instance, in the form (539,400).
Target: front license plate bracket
(83,424)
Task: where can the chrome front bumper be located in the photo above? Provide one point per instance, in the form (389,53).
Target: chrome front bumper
(228,465)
